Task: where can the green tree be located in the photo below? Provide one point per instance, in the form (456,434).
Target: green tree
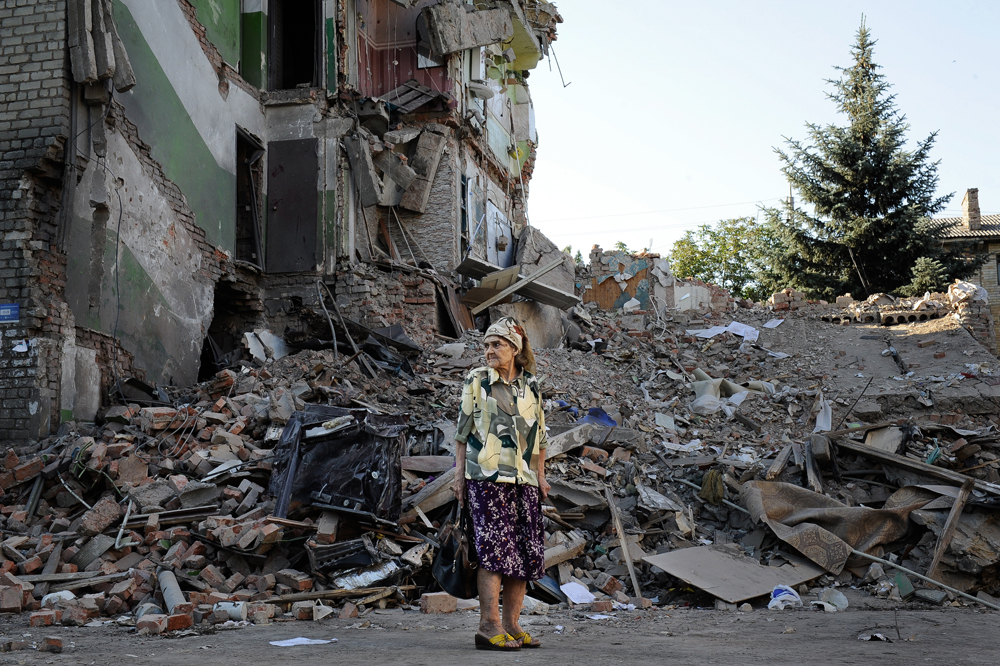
(732,253)
(871,197)
(928,275)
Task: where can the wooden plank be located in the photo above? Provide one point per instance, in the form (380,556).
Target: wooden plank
(729,575)
(443,481)
(58,577)
(517,286)
(626,551)
(501,279)
(97,580)
(477,268)
(427,464)
(334,594)
(813,475)
(565,551)
(916,466)
(949,526)
(779,464)
(51,564)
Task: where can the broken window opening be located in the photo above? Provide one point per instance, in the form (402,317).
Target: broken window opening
(426,58)
(249,186)
(235,310)
(295,47)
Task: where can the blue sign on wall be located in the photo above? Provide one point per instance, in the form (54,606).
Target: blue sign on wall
(10,313)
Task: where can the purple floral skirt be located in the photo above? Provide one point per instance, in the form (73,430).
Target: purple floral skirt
(507,519)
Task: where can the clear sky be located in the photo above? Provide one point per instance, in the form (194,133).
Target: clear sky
(675,107)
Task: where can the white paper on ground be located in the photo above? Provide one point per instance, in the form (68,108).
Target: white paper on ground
(774,323)
(301,640)
(577,593)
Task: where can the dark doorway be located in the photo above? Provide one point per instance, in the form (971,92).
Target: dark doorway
(249,187)
(294,43)
(292,205)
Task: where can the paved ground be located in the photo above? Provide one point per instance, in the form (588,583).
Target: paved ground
(948,635)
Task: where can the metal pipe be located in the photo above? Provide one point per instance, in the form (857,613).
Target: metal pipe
(33,497)
(172,595)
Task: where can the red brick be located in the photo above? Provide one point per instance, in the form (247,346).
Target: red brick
(213,576)
(179,621)
(28,470)
(52,644)
(294,579)
(152,623)
(26,567)
(604,606)
(42,618)
(105,512)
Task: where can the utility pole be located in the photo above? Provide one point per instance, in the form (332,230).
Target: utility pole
(791,204)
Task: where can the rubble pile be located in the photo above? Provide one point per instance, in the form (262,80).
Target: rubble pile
(296,486)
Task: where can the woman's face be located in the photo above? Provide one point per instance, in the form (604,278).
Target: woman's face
(499,353)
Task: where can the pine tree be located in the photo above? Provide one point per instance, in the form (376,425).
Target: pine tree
(871,197)
(928,276)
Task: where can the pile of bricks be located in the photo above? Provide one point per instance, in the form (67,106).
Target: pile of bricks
(94,518)
(787,299)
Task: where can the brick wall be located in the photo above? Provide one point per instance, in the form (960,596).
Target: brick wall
(376,298)
(34,125)
(109,350)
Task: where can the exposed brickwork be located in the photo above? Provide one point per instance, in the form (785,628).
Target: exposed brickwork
(214,262)
(108,350)
(34,124)
(377,298)
(224,71)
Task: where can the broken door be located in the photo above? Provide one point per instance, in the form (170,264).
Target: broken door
(292,205)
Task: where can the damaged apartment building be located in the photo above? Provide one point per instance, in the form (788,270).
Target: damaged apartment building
(180,172)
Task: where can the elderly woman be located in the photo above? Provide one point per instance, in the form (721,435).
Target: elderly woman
(501,447)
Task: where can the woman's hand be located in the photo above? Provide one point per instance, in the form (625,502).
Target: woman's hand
(543,487)
(459,487)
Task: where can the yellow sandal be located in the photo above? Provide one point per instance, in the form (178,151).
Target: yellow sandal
(526,640)
(498,642)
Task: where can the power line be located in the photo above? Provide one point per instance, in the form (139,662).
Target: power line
(653,212)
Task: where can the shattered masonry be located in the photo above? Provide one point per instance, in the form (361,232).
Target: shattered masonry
(181,177)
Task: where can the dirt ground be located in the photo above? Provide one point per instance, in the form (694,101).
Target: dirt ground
(919,634)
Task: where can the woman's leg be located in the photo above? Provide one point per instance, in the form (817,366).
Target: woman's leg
(513,600)
(489,604)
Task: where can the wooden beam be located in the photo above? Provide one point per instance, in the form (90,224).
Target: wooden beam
(96,580)
(623,540)
(779,464)
(427,464)
(516,286)
(948,531)
(916,466)
(565,551)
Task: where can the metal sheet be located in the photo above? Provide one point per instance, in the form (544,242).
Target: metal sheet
(292,205)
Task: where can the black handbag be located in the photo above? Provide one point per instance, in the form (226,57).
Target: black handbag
(456,564)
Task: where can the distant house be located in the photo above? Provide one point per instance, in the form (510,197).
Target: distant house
(985,230)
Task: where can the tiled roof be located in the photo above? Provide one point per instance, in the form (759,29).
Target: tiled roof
(989,227)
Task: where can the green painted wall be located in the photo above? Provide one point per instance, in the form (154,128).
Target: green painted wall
(221,19)
(253,65)
(175,143)
(138,329)
(331,55)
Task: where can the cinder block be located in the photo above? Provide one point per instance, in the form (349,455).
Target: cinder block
(438,602)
